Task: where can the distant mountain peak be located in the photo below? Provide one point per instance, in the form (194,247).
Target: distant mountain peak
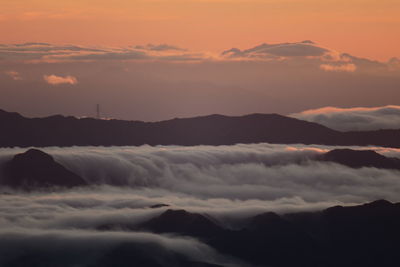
(36,169)
(361,158)
(212,129)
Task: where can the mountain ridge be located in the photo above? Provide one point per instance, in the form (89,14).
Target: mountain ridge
(215,129)
(338,235)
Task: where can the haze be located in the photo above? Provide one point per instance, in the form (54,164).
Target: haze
(155,60)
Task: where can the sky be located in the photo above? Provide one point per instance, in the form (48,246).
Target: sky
(159,59)
(367,28)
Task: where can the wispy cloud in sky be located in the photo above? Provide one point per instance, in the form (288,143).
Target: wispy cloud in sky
(56,80)
(304,52)
(271,77)
(344,67)
(14,75)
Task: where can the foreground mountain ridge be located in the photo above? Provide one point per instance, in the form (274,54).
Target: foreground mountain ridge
(35,169)
(360,235)
(58,130)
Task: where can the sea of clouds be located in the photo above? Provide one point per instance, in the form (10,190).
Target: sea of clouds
(228,183)
(355,118)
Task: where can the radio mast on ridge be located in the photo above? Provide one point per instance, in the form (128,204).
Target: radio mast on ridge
(98,111)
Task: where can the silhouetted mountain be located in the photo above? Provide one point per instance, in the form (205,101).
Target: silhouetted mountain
(161,205)
(360,158)
(211,130)
(34,168)
(270,240)
(174,221)
(208,130)
(386,138)
(146,255)
(127,254)
(364,235)
(183,222)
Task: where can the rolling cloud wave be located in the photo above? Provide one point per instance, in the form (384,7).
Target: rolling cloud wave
(354,119)
(228,183)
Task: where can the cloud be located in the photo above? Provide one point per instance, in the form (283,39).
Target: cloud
(160,47)
(31,51)
(310,54)
(305,53)
(45,52)
(364,64)
(14,75)
(228,184)
(125,55)
(89,248)
(354,119)
(203,83)
(242,172)
(299,49)
(343,67)
(394,64)
(56,80)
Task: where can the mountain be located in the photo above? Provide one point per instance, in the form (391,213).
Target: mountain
(211,130)
(184,223)
(130,254)
(207,130)
(363,235)
(36,169)
(361,158)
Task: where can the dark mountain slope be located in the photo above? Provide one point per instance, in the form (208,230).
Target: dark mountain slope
(183,222)
(386,138)
(207,130)
(146,255)
(211,130)
(36,169)
(361,158)
(364,235)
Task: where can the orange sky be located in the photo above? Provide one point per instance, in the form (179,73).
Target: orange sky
(367,28)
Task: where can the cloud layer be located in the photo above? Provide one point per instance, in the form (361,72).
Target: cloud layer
(21,247)
(354,119)
(227,183)
(45,52)
(342,67)
(305,52)
(241,172)
(130,81)
(270,51)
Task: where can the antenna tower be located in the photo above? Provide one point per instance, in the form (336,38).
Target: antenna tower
(98,111)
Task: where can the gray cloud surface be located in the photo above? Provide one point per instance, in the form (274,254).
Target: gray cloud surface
(354,119)
(89,248)
(299,49)
(50,53)
(227,183)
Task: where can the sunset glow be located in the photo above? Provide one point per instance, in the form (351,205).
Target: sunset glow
(365,28)
(199,133)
